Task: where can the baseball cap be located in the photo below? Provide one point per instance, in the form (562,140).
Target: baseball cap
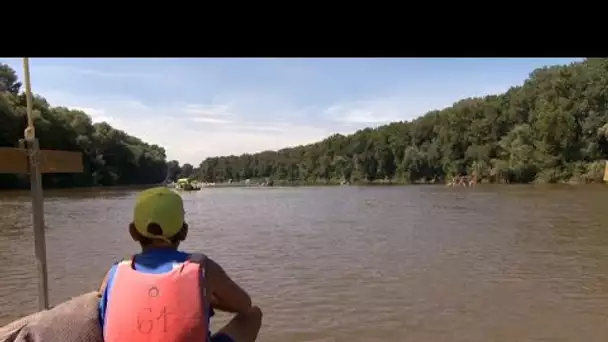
(162,206)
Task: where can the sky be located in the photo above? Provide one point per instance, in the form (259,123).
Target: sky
(198,108)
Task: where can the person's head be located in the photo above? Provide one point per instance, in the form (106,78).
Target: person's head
(158,219)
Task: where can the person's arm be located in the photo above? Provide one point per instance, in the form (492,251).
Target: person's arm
(226,295)
(216,304)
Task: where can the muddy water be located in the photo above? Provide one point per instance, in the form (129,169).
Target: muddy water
(504,263)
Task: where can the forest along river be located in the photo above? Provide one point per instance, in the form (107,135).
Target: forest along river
(418,263)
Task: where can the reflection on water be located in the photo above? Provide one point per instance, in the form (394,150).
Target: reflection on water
(493,263)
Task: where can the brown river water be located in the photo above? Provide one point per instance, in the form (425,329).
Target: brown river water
(417,263)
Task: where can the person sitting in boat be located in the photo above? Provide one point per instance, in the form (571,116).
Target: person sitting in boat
(164,294)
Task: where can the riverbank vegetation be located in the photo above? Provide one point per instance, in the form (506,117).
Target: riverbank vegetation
(553,128)
(110,156)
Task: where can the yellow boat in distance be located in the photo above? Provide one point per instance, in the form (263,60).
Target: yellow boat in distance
(606,172)
(184,184)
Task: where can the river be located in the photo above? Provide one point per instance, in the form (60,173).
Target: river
(416,263)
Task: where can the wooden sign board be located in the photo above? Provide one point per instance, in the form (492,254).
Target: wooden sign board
(14,160)
(54,161)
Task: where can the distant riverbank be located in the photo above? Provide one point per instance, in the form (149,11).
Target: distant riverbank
(280,183)
(389,182)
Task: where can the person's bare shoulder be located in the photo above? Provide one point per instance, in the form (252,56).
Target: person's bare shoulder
(216,275)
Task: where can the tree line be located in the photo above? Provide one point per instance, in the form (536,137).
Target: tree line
(110,156)
(552,128)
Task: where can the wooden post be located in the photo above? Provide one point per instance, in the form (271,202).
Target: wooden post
(28,158)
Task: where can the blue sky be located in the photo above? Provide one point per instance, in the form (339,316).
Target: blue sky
(197,108)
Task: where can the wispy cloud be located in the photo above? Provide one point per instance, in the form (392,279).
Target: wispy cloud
(97,115)
(211,120)
(208,110)
(366,112)
(194,131)
(63,69)
(58,68)
(384,110)
(212,114)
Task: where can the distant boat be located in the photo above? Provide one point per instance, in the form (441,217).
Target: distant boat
(606,172)
(186,185)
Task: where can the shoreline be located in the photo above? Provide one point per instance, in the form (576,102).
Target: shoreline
(284,184)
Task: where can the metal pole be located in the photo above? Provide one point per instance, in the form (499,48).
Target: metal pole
(37,196)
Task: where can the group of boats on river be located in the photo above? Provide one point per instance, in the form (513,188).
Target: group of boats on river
(462,181)
(186,184)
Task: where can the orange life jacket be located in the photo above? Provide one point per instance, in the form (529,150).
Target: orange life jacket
(167,307)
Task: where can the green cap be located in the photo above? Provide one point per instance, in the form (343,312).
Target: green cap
(162,206)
